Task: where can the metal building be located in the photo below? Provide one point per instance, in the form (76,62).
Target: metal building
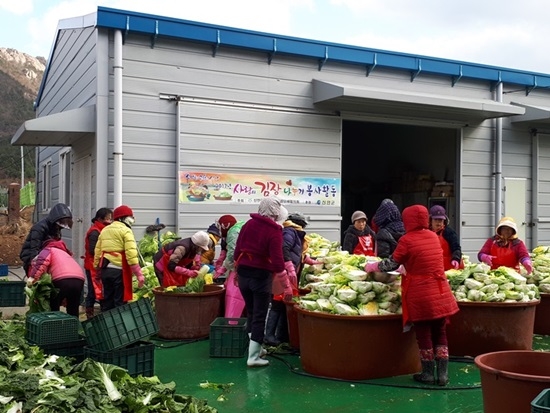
(186,121)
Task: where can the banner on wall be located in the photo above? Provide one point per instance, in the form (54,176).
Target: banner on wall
(251,189)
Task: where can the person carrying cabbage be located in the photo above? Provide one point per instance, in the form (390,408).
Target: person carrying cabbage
(294,252)
(505,248)
(452,251)
(390,228)
(426,297)
(261,270)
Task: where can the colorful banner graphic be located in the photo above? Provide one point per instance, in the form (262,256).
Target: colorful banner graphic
(251,189)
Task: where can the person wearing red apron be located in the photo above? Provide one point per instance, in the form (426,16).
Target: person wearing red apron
(426,297)
(102,218)
(505,248)
(452,251)
(359,238)
(180,260)
(116,259)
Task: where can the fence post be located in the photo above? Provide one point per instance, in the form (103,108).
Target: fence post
(13,203)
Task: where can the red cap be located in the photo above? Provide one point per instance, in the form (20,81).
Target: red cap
(122,211)
(225,222)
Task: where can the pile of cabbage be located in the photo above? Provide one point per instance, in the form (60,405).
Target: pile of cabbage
(339,285)
(540,257)
(478,283)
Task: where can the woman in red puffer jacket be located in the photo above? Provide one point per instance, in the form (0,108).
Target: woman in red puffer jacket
(427,299)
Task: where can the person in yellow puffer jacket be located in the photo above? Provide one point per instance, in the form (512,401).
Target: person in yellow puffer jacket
(116,259)
(207,257)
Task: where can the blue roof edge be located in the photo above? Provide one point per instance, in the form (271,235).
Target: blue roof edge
(273,44)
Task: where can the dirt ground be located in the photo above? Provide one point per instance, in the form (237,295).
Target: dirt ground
(12,236)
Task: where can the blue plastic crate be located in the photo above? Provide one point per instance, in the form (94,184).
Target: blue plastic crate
(3,270)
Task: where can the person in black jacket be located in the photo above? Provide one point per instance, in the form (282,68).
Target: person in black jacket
(387,219)
(60,217)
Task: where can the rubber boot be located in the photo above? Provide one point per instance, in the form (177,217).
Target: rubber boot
(263,351)
(427,374)
(271,328)
(89,312)
(254,359)
(442,371)
(442,362)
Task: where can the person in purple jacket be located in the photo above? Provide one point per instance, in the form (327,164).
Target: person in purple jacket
(261,270)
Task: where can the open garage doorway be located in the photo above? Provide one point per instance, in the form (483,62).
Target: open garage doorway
(409,164)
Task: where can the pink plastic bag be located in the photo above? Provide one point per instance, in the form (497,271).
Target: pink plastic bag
(234,302)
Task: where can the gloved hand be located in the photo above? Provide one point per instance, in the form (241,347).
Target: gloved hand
(291,272)
(528,265)
(219,272)
(196,262)
(136,270)
(487,259)
(310,261)
(287,288)
(455,264)
(371,267)
(401,270)
(221,259)
(186,272)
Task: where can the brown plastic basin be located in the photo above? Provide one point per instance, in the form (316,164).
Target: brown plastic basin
(542,316)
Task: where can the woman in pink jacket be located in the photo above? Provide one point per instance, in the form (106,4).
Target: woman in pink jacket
(427,299)
(67,275)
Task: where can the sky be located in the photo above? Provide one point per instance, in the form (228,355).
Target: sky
(507,33)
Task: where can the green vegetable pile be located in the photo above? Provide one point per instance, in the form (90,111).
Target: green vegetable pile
(477,282)
(194,285)
(540,257)
(340,286)
(33,382)
(40,293)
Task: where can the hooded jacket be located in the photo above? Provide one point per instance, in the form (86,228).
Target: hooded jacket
(293,241)
(56,260)
(260,244)
(41,231)
(390,228)
(426,294)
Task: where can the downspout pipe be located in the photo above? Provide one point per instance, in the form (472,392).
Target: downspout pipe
(535,188)
(117,124)
(498,159)
(178,161)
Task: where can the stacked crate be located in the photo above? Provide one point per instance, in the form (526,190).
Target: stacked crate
(55,332)
(118,337)
(228,337)
(12,293)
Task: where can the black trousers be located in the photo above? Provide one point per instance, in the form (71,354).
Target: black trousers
(113,288)
(255,285)
(70,289)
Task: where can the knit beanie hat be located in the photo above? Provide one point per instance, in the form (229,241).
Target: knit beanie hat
(122,211)
(358,215)
(213,229)
(224,223)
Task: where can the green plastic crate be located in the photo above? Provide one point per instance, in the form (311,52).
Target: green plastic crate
(541,403)
(228,337)
(51,327)
(68,349)
(137,358)
(121,326)
(12,294)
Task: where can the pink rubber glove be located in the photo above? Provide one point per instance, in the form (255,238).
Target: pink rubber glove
(455,264)
(371,267)
(136,270)
(186,272)
(310,261)
(528,265)
(291,272)
(219,272)
(221,259)
(401,270)
(196,262)
(487,259)
(284,281)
